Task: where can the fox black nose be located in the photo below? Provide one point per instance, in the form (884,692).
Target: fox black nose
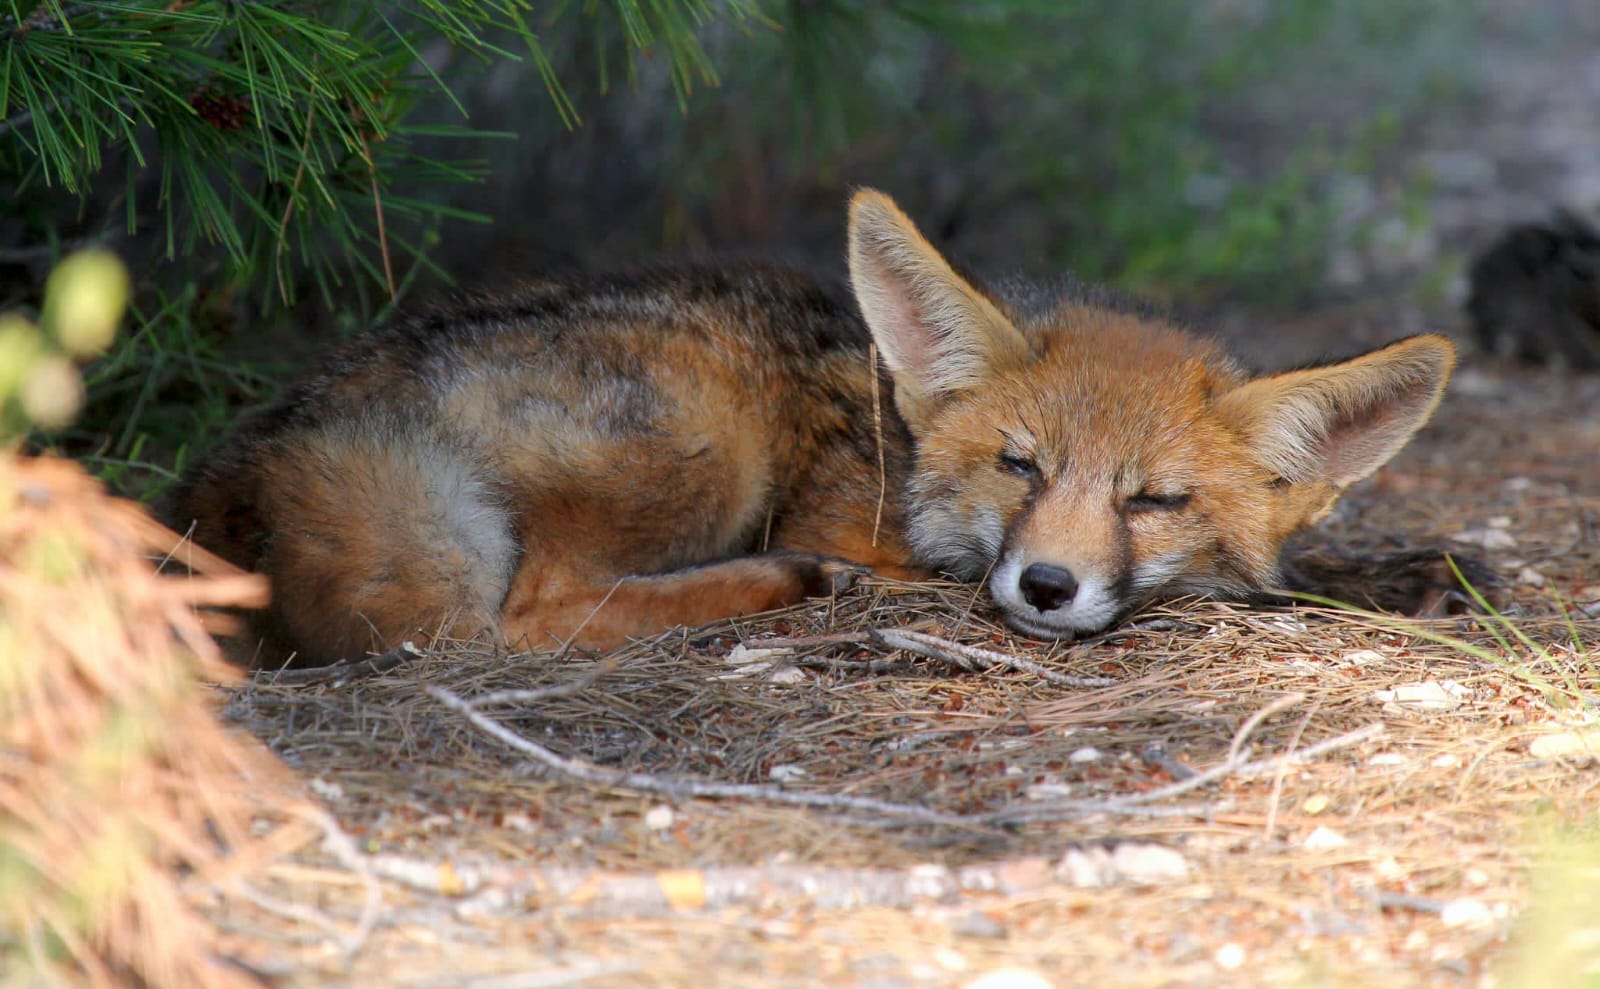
(1047,588)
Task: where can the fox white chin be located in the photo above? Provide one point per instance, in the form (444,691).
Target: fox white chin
(1032,627)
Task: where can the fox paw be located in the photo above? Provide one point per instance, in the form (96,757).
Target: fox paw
(1417,582)
(823,576)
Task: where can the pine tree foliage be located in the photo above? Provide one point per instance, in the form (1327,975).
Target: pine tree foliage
(264,127)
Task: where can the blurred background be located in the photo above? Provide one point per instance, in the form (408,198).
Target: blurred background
(279,175)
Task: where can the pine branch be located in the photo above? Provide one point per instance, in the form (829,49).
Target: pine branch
(274,127)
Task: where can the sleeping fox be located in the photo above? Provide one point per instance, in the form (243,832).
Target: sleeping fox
(595,459)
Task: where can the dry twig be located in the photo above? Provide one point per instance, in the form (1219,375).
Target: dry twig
(344,671)
(588,772)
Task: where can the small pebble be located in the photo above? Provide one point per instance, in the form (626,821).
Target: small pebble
(1010,978)
(1466,913)
(977,924)
(1565,744)
(1145,862)
(1361,657)
(1488,538)
(1324,838)
(1230,956)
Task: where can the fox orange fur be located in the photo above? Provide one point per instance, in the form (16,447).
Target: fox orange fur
(605,458)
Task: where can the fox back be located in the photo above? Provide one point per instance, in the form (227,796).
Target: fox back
(591,460)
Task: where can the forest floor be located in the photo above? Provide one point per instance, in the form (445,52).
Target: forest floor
(1379,801)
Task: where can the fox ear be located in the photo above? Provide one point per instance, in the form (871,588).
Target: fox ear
(1337,424)
(938,335)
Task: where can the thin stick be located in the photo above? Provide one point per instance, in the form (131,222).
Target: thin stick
(978,659)
(288,208)
(338,844)
(762,888)
(345,670)
(896,813)
(877,424)
(588,772)
(1283,769)
(302,914)
(1239,769)
(564,646)
(1251,723)
(1136,804)
(537,695)
(383,236)
(974,659)
(806,641)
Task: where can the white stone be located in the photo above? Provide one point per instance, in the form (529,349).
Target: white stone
(1149,863)
(1010,978)
(1488,538)
(1230,956)
(1466,913)
(1324,838)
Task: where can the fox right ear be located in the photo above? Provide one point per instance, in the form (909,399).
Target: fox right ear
(938,335)
(1338,423)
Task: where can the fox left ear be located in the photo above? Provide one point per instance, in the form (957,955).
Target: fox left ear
(938,335)
(1339,423)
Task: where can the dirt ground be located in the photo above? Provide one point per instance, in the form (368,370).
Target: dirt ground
(1215,794)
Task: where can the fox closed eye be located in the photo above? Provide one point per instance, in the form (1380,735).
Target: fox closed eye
(1167,501)
(1018,464)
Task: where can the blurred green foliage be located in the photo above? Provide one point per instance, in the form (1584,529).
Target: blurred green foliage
(1175,147)
(40,384)
(1555,943)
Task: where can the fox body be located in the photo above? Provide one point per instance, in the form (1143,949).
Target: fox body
(590,460)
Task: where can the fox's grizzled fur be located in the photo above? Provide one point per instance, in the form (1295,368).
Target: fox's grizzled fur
(609,457)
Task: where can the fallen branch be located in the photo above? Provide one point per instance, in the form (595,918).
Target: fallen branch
(537,694)
(884,813)
(338,844)
(344,671)
(588,772)
(498,888)
(1235,768)
(977,659)
(974,659)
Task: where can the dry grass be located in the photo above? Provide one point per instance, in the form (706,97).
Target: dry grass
(124,804)
(1414,808)
(1341,799)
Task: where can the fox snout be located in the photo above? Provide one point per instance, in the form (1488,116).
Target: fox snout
(1053,599)
(1047,587)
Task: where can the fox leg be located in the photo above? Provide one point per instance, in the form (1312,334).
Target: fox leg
(546,608)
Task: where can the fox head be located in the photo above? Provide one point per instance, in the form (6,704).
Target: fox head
(1085,458)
